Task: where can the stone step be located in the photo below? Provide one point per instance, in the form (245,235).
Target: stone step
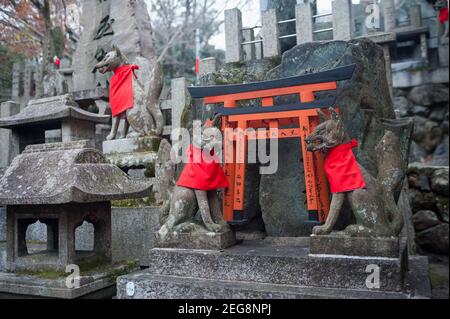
(145,285)
(274,264)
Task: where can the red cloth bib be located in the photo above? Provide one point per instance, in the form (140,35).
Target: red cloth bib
(342,169)
(443,15)
(121,96)
(202,175)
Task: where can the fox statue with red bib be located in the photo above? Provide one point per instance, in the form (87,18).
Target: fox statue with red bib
(371,199)
(134,94)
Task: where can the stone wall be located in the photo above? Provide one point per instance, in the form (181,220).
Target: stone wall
(429,196)
(428,106)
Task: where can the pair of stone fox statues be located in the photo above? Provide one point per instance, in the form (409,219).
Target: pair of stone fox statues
(374,206)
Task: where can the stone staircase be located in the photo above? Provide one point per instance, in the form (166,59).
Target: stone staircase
(257,270)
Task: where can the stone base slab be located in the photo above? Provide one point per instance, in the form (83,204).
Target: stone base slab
(132,152)
(258,269)
(101,285)
(206,241)
(352,246)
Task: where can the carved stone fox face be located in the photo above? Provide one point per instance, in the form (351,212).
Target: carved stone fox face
(111,61)
(328,134)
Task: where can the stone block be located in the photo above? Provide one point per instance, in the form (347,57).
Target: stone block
(349,246)
(204,241)
(257,269)
(304,13)
(133,232)
(132,152)
(233,36)
(208,65)
(9,150)
(342,19)
(270,33)
(100,284)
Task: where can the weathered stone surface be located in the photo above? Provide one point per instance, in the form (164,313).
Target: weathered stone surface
(63,173)
(439,113)
(197,240)
(50,110)
(420,110)
(2,224)
(425,219)
(427,134)
(283,194)
(422,201)
(96,284)
(434,239)
(256,269)
(128,26)
(439,181)
(429,94)
(132,234)
(441,154)
(132,152)
(402,106)
(417,153)
(443,207)
(350,246)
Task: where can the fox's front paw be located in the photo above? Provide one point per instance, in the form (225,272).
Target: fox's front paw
(321,230)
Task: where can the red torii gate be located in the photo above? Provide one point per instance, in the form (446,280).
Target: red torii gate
(273,118)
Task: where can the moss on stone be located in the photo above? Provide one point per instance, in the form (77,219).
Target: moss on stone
(136,203)
(46,274)
(150,170)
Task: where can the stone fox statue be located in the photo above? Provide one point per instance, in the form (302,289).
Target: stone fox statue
(181,206)
(135,91)
(371,199)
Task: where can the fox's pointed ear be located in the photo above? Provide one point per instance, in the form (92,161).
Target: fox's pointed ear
(116,48)
(322,116)
(334,114)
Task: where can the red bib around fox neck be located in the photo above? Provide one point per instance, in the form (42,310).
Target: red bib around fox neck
(121,96)
(202,174)
(343,172)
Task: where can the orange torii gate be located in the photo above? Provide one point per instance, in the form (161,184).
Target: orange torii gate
(274,119)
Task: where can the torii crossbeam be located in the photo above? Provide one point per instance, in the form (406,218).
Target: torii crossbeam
(282,121)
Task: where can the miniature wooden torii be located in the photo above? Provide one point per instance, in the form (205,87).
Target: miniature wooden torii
(301,118)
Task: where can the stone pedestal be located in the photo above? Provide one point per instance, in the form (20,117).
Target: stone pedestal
(260,269)
(207,240)
(132,153)
(349,246)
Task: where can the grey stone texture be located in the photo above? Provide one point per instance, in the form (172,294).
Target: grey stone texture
(270,34)
(130,24)
(233,35)
(353,246)
(63,173)
(304,26)
(133,232)
(9,150)
(98,284)
(132,153)
(197,240)
(259,270)
(342,19)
